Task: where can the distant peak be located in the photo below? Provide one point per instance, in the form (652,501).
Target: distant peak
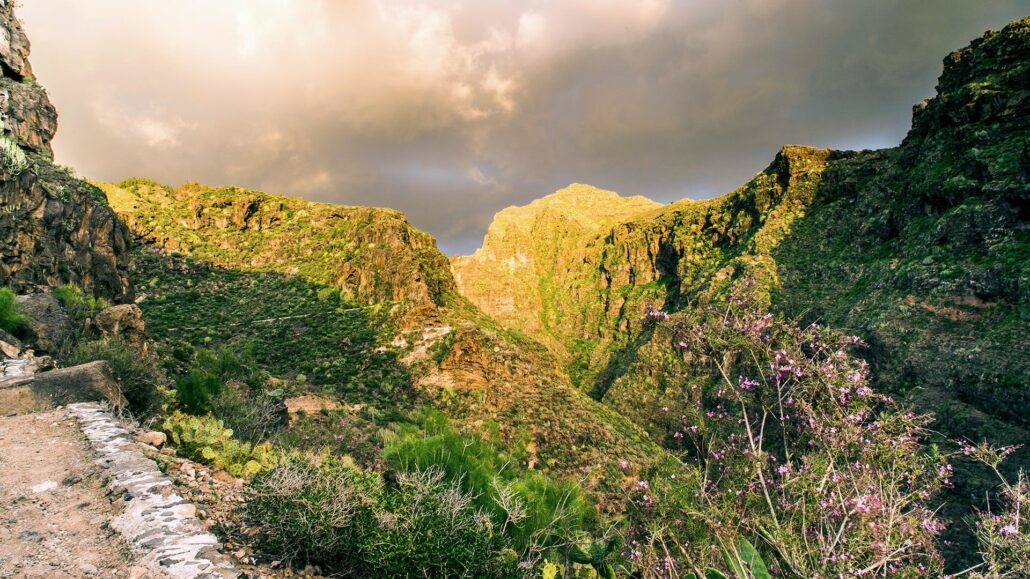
(582,189)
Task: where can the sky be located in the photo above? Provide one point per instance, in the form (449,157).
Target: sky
(451,111)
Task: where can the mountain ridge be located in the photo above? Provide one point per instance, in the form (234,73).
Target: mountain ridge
(919,249)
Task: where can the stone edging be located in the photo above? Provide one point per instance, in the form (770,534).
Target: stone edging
(157,522)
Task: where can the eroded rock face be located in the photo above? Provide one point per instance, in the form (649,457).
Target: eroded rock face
(54,228)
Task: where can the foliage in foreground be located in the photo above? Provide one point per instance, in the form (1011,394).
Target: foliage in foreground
(1003,536)
(538,515)
(795,451)
(448,504)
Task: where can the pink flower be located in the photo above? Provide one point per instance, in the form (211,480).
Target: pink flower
(1009,530)
(748,384)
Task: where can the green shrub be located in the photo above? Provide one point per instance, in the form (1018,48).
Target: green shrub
(80,306)
(205,439)
(14,158)
(432,528)
(313,511)
(11,318)
(537,514)
(142,381)
(211,370)
(253,417)
(197,390)
(329,512)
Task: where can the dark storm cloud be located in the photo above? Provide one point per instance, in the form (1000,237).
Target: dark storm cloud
(450,111)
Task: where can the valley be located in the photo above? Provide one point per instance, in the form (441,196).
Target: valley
(823,372)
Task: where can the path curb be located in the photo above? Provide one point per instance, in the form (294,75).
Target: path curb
(157,522)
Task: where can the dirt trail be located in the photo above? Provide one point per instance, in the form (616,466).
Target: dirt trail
(53,513)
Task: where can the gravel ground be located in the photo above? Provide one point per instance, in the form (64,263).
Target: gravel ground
(54,515)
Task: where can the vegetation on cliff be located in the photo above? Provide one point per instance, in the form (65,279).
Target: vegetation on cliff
(54,228)
(921,250)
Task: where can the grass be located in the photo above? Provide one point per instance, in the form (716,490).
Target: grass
(11,317)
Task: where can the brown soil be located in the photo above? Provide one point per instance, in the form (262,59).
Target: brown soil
(54,515)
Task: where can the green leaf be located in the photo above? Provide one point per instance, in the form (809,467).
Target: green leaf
(251,468)
(714,574)
(750,557)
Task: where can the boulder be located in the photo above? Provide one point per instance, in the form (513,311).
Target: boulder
(92,382)
(153,438)
(126,322)
(49,328)
(10,346)
(309,404)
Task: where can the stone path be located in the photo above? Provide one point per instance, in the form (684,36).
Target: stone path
(157,521)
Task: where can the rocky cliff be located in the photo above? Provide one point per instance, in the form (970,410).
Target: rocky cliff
(589,295)
(54,228)
(529,251)
(921,249)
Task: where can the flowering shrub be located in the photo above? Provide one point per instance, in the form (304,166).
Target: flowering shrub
(784,442)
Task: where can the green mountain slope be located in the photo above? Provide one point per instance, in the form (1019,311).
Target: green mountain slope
(324,297)
(528,251)
(923,250)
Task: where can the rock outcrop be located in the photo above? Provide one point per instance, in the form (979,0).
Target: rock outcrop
(124,321)
(528,252)
(54,228)
(92,382)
